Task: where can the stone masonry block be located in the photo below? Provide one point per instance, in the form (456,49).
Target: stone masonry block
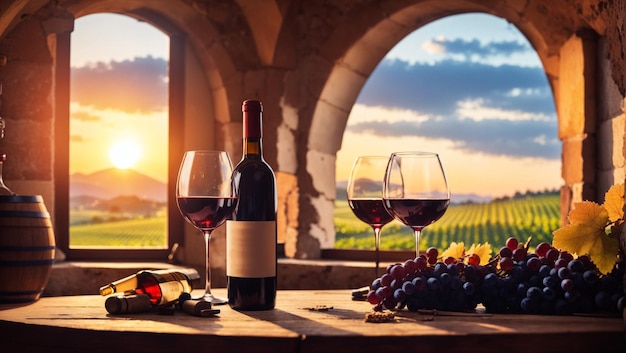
(576,100)
(329,123)
(343,87)
(610,150)
(610,100)
(578,160)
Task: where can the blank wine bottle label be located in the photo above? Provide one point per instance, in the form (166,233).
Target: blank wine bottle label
(251,249)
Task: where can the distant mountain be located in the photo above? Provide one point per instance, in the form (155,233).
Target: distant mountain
(454,198)
(110,183)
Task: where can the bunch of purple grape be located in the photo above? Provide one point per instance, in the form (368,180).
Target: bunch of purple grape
(547,281)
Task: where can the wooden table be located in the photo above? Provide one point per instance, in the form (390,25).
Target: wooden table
(81,324)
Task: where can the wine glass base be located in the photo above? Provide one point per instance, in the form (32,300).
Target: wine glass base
(213,299)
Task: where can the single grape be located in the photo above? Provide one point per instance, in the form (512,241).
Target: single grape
(386,279)
(473,260)
(410,266)
(550,282)
(432,252)
(408,288)
(576,266)
(505,252)
(376,284)
(372,297)
(445,279)
(533,264)
(397,271)
(469,288)
(399,295)
(567,284)
(419,283)
(506,263)
(519,254)
(449,260)
(564,273)
(542,249)
(586,260)
(549,293)
(534,293)
(440,268)
(544,270)
(433,284)
(590,277)
(566,256)
(552,255)
(559,263)
(512,243)
(421,262)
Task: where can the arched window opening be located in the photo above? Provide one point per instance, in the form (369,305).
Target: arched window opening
(118,161)
(471,88)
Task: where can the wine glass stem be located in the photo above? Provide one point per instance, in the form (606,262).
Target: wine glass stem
(418,232)
(207,242)
(377,249)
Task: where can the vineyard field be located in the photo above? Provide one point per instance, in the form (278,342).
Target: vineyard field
(537,216)
(137,232)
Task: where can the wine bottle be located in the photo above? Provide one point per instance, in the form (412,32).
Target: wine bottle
(251,233)
(162,286)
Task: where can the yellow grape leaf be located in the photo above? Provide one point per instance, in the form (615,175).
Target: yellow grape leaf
(483,251)
(455,250)
(614,202)
(590,214)
(588,239)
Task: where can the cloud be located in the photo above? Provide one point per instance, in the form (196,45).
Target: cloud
(77,138)
(474,48)
(138,85)
(498,137)
(85,117)
(435,89)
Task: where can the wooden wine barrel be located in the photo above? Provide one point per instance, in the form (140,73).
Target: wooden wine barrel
(26,248)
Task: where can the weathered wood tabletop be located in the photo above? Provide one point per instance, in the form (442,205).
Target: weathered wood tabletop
(81,324)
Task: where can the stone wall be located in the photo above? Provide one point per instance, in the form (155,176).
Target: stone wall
(307,62)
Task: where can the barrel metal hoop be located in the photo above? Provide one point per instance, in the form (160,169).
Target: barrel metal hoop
(27,248)
(24,214)
(21,199)
(27,263)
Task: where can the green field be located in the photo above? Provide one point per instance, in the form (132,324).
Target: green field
(537,216)
(135,232)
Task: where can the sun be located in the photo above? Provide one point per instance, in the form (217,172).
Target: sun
(124,154)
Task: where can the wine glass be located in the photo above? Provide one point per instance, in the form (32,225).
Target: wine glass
(206,198)
(365,195)
(415,190)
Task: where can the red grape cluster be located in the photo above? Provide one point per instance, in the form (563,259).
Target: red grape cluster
(547,281)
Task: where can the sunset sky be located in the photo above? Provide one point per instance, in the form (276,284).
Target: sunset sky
(469,87)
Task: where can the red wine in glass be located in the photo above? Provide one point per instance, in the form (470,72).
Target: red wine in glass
(206,199)
(365,188)
(416,190)
(206,213)
(370,211)
(418,213)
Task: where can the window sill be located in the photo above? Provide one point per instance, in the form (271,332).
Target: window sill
(84,278)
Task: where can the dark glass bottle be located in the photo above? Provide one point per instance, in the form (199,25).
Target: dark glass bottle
(251,234)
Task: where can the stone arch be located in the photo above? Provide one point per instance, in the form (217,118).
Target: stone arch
(348,72)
